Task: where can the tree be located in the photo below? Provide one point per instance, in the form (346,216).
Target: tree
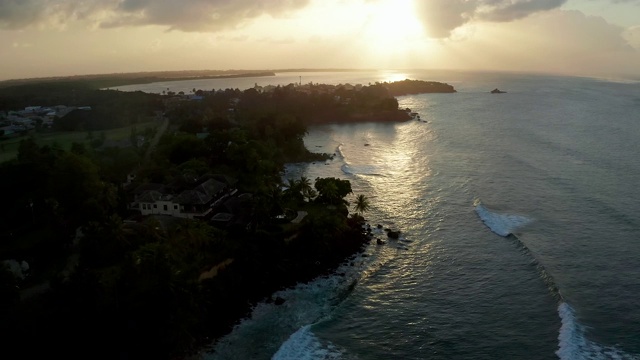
(29,151)
(75,183)
(305,186)
(104,243)
(293,190)
(362,204)
(332,190)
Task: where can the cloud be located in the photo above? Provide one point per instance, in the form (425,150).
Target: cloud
(575,44)
(19,13)
(198,15)
(441,17)
(632,35)
(184,15)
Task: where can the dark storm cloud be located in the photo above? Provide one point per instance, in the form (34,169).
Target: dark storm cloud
(198,15)
(185,15)
(19,13)
(440,17)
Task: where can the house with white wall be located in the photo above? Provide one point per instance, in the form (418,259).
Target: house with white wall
(155,199)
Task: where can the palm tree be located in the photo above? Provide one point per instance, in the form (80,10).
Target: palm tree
(305,186)
(362,204)
(293,189)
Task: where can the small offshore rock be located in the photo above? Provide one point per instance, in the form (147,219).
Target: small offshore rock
(393,234)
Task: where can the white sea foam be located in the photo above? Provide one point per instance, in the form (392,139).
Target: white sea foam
(347,169)
(573,344)
(339,152)
(360,170)
(501,224)
(304,345)
(270,326)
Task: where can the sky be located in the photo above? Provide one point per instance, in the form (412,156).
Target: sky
(43,38)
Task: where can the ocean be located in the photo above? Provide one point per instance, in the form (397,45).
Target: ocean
(518,212)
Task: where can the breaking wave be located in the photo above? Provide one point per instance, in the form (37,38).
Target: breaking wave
(339,152)
(361,170)
(350,169)
(574,345)
(270,327)
(501,224)
(304,345)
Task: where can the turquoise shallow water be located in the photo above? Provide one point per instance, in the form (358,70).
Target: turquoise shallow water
(520,228)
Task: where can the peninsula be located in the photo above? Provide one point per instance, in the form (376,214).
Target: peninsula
(150,228)
(101,81)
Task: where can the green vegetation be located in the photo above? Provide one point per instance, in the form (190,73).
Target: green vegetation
(362,204)
(65,139)
(126,285)
(407,87)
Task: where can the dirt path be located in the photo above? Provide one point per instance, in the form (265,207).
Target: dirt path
(301,215)
(156,138)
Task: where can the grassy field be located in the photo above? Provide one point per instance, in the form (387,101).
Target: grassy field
(64,139)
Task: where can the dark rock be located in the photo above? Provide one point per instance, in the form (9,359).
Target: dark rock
(393,234)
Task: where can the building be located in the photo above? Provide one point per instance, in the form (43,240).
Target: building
(194,203)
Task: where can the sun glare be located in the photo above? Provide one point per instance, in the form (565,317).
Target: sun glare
(392,26)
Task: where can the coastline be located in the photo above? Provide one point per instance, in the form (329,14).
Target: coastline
(264,258)
(296,266)
(103,81)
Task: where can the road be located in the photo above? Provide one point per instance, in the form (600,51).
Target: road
(156,138)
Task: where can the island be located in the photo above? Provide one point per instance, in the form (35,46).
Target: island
(132,221)
(497,91)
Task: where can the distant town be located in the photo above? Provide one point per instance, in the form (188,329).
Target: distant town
(18,122)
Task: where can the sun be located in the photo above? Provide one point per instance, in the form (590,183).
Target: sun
(392,26)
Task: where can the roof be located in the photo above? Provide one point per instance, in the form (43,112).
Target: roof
(211,187)
(150,196)
(192,197)
(220,177)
